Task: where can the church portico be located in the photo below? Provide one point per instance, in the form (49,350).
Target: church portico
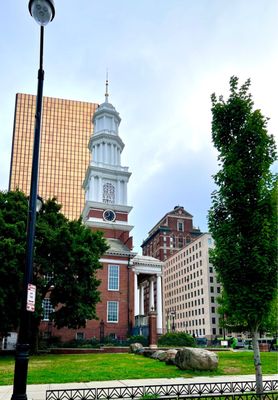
(147,289)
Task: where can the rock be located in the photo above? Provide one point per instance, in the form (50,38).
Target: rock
(147,352)
(170,356)
(191,358)
(157,354)
(135,347)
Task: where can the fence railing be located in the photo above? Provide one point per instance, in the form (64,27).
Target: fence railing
(206,391)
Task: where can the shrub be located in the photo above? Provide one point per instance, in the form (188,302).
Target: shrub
(177,339)
(138,339)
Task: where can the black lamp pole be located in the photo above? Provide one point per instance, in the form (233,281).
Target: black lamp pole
(43,11)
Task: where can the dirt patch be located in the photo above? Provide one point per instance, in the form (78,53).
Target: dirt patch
(232,370)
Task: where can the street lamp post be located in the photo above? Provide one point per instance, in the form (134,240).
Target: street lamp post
(43,12)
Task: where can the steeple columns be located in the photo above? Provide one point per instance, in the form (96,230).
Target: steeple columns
(106,153)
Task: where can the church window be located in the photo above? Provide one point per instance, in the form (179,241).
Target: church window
(47,309)
(113,277)
(112,311)
(80,336)
(108,195)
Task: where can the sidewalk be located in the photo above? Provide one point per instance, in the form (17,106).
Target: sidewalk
(38,392)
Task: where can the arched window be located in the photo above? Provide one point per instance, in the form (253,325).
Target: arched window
(108,194)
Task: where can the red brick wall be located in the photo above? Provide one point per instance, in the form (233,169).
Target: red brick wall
(124,296)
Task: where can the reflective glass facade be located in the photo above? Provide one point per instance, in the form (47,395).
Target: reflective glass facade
(64,155)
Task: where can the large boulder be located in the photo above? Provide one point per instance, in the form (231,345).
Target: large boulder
(170,356)
(158,354)
(135,347)
(192,358)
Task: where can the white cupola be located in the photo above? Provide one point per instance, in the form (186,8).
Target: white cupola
(105,144)
(106,180)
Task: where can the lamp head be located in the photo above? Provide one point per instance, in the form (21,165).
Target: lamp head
(43,11)
(39,203)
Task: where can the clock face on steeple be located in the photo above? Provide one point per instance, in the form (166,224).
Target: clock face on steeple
(109,215)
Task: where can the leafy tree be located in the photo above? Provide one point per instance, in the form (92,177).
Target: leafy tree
(242,218)
(66,260)
(228,321)
(13,216)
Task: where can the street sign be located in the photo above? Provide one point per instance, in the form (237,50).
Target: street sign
(31,297)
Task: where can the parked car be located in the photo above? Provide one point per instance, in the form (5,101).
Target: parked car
(240,343)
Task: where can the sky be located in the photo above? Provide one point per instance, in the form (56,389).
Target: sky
(164,60)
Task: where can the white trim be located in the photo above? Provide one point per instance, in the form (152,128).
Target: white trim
(97,205)
(118,262)
(99,223)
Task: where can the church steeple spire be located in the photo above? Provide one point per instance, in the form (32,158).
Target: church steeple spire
(106,88)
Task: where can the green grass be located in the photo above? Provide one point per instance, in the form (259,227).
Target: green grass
(98,367)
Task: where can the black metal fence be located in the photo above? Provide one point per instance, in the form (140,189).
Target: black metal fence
(204,391)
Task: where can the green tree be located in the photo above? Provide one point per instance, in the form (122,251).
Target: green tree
(66,259)
(13,216)
(228,321)
(242,218)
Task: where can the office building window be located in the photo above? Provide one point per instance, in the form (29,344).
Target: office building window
(180,242)
(180,226)
(113,277)
(112,311)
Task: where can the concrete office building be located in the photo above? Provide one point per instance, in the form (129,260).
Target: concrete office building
(190,290)
(64,153)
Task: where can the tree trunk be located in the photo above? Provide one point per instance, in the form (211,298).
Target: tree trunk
(257,362)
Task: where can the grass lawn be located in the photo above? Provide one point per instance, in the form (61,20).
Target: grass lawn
(98,367)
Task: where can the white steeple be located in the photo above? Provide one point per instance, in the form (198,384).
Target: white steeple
(106,180)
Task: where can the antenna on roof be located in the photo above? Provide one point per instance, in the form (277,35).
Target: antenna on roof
(106,87)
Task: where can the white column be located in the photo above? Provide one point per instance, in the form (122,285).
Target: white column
(119,157)
(100,189)
(105,152)
(118,194)
(115,155)
(136,295)
(151,300)
(141,310)
(159,304)
(91,188)
(95,191)
(102,152)
(125,193)
(110,158)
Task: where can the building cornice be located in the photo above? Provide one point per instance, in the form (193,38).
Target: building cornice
(99,224)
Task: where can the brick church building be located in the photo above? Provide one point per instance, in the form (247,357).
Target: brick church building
(127,279)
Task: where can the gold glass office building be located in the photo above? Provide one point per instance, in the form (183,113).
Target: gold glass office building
(64,155)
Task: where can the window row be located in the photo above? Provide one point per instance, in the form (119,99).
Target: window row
(112,310)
